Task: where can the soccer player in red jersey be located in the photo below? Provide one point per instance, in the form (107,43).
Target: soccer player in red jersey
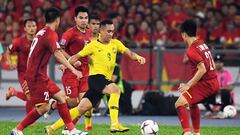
(203,84)
(21,46)
(43,46)
(72,41)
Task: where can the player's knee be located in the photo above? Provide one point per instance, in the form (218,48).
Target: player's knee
(72,102)
(43,109)
(83,108)
(114,88)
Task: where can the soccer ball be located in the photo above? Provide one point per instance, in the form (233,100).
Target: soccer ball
(149,127)
(229,111)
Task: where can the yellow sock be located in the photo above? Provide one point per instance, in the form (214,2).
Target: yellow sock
(113,107)
(59,123)
(88,118)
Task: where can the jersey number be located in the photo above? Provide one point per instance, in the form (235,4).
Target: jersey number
(46,95)
(68,90)
(209,57)
(33,45)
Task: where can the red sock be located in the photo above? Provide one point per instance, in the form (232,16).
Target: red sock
(28,120)
(20,95)
(183,118)
(195,115)
(29,106)
(65,115)
(75,120)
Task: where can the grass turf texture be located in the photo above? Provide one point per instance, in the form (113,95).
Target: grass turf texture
(103,129)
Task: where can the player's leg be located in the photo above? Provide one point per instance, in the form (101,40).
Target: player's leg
(39,97)
(12,92)
(181,107)
(113,105)
(82,89)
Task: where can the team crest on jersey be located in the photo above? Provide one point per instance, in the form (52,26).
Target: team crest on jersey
(114,50)
(86,42)
(63,42)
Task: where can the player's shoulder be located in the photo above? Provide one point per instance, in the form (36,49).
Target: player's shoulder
(18,40)
(116,41)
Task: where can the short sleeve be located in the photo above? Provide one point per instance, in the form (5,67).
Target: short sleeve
(53,45)
(120,47)
(14,46)
(87,50)
(194,56)
(65,39)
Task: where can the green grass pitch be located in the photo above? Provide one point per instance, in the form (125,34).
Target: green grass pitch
(103,129)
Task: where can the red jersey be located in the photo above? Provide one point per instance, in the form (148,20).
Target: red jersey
(21,45)
(74,41)
(199,52)
(43,45)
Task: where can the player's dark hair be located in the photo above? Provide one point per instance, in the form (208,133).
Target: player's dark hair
(94,17)
(51,14)
(105,22)
(80,9)
(29,20)
(189,27)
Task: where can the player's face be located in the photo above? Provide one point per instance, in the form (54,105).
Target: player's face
(184,36)
(30,27)
(94,25)
(82,20)
(58,22)
(107,31)
(219,65)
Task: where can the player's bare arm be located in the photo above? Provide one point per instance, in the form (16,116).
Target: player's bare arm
(59,56)
(67,56)
(9,61)
(200,72)
(74,58)
(135,56)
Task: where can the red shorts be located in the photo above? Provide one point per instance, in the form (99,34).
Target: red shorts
(73,86)
(41,91)
(201,90)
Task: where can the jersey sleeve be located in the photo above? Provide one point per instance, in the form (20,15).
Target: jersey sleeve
(87,50)
(53,44)
(120,47)
(14,46)
(65,39)
(195,56)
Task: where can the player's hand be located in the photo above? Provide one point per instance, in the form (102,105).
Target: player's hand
(141,59)
(183,87)
(77,73)
(77,64)
(62,67)
(12,66)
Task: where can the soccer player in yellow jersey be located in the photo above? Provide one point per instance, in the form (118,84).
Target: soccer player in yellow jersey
(102,53)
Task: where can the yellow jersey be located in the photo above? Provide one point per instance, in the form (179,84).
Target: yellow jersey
(103,56)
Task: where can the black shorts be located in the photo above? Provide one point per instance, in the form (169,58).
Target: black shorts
(96,84)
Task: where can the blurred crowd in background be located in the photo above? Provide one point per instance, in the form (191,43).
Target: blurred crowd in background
(136,20)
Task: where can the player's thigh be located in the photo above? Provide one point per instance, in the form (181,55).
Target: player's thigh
(181,101)
(52,88)
(111,88)
(98,82)
(93,96)
(201,91)
(39,92)
(70,84)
